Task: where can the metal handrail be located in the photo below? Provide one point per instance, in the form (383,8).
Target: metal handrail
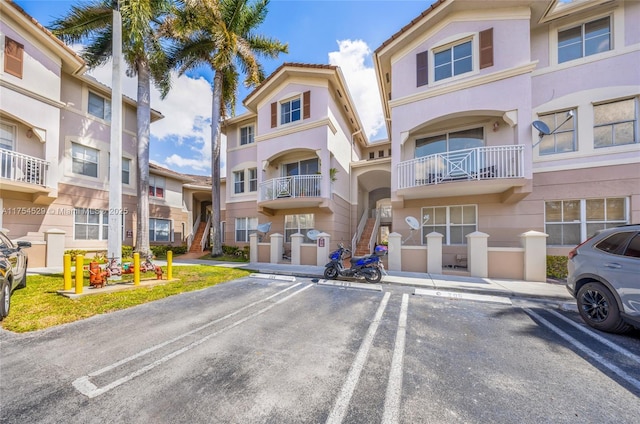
(193,232)
(205,235)
(361,224)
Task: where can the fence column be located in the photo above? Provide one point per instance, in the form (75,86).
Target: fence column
(253,247)
(323,247)
(277,247)
(395,252)
(478,254)
(296,248)
(535,255)
(434,253)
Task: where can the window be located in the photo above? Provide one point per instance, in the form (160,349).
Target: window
(615,123)
(244,228)
(449,142)
(99,107)
(156,186)
(564,138)
(570,222)
(303,167)
(290,111)
(298,224)
(453,61)
(13,57)
(126,170)
(84,160)
(584,40)
(372,155)
(253,179)
(159,229)
(90,224)
(238,182)
(246,135)
(453,222)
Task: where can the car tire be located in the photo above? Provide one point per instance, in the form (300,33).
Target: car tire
(23,281)
(599,309)
(5,298)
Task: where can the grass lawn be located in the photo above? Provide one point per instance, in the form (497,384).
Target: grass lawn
(39,306)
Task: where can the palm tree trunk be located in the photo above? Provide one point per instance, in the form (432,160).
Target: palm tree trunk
(216,248)
(143,118)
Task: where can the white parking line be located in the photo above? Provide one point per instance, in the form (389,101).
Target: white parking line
(598,337)
(394,386)
(87,388)
(342,401)
(290,278)
(594,355)
(350,284)
(463,296)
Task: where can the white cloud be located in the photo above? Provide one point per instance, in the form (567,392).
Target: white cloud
(362,84)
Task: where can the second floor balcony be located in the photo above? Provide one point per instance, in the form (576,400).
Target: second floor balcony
(481,170)
(291,192)
(23,173)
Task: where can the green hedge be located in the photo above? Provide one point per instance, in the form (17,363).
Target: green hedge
(161,251)
(557,267)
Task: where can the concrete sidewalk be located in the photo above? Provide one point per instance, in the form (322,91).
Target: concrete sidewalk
(487,286)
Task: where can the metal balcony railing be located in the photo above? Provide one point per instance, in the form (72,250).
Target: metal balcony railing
(23,168)
(290,187)
(482,163)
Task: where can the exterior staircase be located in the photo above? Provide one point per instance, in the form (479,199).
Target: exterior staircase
(197,239)
(362,248)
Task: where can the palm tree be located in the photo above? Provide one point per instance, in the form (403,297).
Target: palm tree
(221,34)
(91,23)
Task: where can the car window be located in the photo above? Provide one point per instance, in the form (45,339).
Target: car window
(633,249)
(615,243)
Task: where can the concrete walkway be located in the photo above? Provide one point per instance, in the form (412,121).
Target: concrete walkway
(489,286)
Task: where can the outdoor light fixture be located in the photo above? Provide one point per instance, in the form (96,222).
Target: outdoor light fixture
(543,129)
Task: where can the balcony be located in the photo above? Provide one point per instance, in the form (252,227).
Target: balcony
(482,170)
(23,173)
(296,191)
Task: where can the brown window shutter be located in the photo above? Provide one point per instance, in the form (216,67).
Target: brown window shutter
(422,70)
(274,115)
(13,52)
(306,105)
(486,48)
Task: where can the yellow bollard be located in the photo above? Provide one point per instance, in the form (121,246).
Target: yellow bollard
(169,265)
(136,269)
(67,272)
(79,273)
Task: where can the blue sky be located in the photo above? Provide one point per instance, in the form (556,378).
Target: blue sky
(343,33)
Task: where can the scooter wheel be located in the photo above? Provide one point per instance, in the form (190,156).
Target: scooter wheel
(372,275)
(330,273)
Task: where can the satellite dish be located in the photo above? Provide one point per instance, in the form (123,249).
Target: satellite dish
(543,129)
(313,234)
(412,223)
(264,228)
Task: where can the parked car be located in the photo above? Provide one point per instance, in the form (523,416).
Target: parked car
(13,270)
(604,277)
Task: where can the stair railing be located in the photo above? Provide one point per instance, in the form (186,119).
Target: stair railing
(374,233)
(193,233)
(205,235)
(356,236)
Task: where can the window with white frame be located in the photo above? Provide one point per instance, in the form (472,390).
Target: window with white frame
(454,60)
(238,182)
(126,170)
(453,222)
(290,111)
(246,135)
(84,160)
(253,179)
(156,186)
(99,106)
(245,227)
(90,224)
(615,123)
(570,222)
(584,40)
(449,142)
(300,223)
(564,138)
(159,229)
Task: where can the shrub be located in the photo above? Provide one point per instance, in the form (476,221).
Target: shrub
(127,252)
(75,252)
(557,267)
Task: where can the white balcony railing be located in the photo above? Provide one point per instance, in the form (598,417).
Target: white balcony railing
(23,168)
(482,163)
(290,187)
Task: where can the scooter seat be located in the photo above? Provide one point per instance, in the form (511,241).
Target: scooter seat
(355,259)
